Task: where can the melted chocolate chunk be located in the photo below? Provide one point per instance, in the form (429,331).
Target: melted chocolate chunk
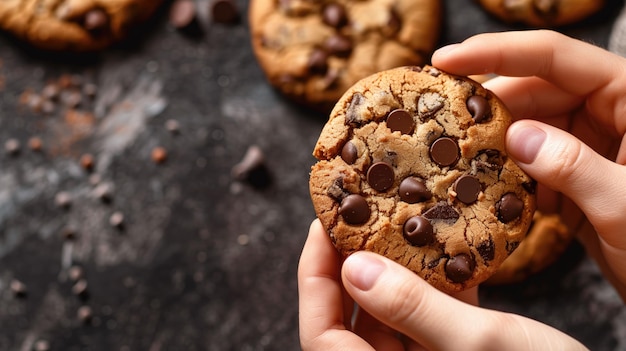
(353,116)
(418,231)
(400,120)
(442,211)
(444,152)
(509,208)
(478,106)
(336,190)
(488,160)
(530,187)
(380,176)
(318,62)
(354,209)
(349,153)
(460,268)
(467,189)
(413,190)
(487,250)
(429,103)
(335,15)
(338,45)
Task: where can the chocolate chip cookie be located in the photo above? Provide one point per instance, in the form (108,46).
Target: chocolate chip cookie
(412,165)
(314,50)
(73,25)
(539,13)
(547,240)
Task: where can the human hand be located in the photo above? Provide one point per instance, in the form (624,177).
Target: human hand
(575,88)
(398,310)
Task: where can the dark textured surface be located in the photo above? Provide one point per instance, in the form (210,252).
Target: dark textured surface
(203,262)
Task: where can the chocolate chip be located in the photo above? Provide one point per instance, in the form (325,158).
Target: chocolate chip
(509,207)
(117,220)
(317,63)
(400,120)
(530,187)
(183,14)
(444,151)
(104,192)
(84,314)
(338,45)
(334,15)
(478,107)
(467,189)
(488,160)
(224,11)
(380,176)
(87,162)
(68,233)
(418,231)
(413,190)
(353,113)
(35,143)
(63,199)
(12,147)
(80,289)
(442,211)
(18,288)
(354,209)
(349,153)
(460,268)
(336,190)
(486,250)
(96,20)
(429,103)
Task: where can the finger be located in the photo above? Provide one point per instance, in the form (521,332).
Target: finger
(566,164)
(321,296)
(379,335)
(562,60)
(399,298)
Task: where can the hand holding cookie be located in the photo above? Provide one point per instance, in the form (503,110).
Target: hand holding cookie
(576,88)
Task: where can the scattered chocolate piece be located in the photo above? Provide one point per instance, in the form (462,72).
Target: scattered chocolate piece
(63,200)
(252,168)
(104,192)
(172,126)
(354,209)
(80,289)
(380,176)
(444,151)
(349,153)
(418,231)
(75,273)
(12,147)
(68,233)
(467,189)
(87,162)
(224,11)
(487,250)
(460,268)
(18,288)
(117,220)
(159,155)
(413,190)
(338,45)
(84,314)
(400,120)
(182,14)
(35,144)
(509,207)
(317,63)
(429,103)
(478,107)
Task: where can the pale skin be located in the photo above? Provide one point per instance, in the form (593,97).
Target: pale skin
(569,101)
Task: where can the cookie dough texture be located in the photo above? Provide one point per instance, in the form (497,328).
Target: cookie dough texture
(73,25)
(547,240)
(412,166)
(548,13)
(313,51)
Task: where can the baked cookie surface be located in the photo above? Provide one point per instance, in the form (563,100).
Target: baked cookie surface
(313,51)
(548,13)
(73,25)
(412,166)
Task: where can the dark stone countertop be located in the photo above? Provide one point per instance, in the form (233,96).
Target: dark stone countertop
(202,262)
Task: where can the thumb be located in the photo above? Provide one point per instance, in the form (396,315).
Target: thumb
(565,164)
(400,299)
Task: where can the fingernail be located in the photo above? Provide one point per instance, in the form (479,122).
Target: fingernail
(362,270)
(524,142)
